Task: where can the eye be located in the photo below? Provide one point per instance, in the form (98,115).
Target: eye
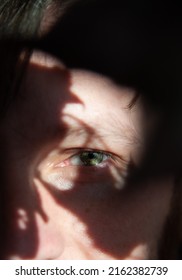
(85,166)
(89,158)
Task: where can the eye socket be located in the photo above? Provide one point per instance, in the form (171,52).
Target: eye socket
(87,166)
(89,158)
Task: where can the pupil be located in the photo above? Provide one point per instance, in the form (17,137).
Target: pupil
(91,158)
(91,155)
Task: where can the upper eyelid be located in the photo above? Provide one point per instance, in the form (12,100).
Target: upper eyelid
(77,151)
(61,155)
(92,151)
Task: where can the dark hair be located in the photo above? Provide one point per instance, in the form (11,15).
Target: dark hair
(16,24)
(21,25)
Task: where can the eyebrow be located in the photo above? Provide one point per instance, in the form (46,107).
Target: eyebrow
(117,132)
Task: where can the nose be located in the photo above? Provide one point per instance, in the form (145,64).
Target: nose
(27,231)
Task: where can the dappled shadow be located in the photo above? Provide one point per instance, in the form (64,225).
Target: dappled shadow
(138,47)
(20,144)
(104,201)
(110,209)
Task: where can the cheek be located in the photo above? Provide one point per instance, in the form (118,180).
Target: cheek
(106,222)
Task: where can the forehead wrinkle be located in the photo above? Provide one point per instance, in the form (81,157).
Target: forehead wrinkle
(115,131)
(118,129)
(120,133)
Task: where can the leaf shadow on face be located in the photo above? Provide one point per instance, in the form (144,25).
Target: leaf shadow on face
(28,127)
(111,217)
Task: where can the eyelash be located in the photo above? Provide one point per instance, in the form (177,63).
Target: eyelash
(78,159)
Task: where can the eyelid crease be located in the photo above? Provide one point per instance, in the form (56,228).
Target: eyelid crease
(77,150)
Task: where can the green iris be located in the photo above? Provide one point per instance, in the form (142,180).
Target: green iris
(91,158)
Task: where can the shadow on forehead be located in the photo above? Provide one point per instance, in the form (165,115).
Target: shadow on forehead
(126,40)
(21,143)
(138,45)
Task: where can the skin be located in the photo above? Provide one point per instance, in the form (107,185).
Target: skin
(53,206)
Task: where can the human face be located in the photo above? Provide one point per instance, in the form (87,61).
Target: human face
(68,141)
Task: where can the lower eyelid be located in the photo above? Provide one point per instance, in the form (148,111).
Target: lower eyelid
(77,176)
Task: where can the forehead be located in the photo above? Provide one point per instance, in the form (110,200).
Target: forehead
(73,105)
(81,91)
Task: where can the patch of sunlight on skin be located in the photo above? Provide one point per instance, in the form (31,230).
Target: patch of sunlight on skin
(55,178)
(60,183)
(42,59)
(139,250)
(68,108)
(14,258)
(119,177)
(81,229)
(22,219)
